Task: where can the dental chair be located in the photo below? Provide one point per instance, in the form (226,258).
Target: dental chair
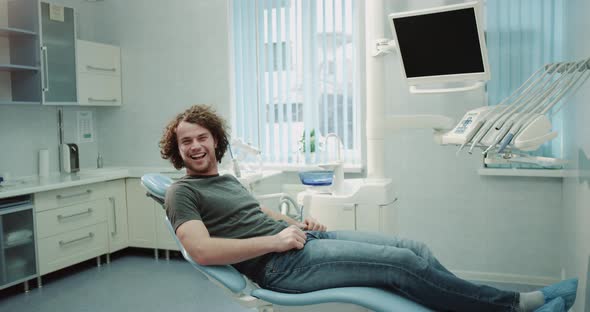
(250,295)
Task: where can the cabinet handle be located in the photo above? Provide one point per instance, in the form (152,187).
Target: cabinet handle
(62,243)
(59,196)
(112,199)
(90,67)
(348,207)
(113,100)
(45,69)
(60,217)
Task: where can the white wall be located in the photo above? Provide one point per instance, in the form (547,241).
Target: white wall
(174,54)
(576,190)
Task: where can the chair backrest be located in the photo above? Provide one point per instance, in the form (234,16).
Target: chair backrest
(156,186)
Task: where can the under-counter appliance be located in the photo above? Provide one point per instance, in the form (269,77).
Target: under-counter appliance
(70,157)
(18,260)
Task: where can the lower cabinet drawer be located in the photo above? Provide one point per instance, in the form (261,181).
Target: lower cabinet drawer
(68,196)
(62,250)
(65,219)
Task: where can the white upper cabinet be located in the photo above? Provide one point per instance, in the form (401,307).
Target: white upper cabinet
(99,74)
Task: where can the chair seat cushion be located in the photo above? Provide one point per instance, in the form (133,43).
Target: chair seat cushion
(375,299)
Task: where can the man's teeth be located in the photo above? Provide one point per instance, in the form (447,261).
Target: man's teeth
(198,156)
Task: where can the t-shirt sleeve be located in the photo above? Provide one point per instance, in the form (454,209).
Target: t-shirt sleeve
(181,205)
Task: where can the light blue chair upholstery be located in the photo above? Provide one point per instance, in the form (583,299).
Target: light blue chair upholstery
(375,299)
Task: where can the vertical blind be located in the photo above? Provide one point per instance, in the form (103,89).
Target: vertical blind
(295,78)
(522,36)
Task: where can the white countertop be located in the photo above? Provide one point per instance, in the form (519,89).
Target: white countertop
(30,185)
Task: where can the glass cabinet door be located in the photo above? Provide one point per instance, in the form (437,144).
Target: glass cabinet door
(58,55)
(18,247)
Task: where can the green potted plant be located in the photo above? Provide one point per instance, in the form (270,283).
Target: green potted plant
(312,142)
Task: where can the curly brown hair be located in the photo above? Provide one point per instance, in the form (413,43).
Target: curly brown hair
(203,115)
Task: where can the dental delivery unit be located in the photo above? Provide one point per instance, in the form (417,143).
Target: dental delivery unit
(521,122)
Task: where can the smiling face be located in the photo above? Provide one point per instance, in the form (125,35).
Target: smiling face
(197,146)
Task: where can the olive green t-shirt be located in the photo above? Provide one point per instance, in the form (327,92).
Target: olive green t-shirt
(224,205)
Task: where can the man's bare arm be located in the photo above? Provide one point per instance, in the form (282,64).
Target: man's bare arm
(207,250)
(279,216)
(309,223)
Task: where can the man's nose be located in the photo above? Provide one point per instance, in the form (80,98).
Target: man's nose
(195,145)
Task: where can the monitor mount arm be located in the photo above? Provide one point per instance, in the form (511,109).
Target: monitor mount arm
(384,46)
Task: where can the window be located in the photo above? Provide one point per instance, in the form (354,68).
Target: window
(295,78)
(522,36)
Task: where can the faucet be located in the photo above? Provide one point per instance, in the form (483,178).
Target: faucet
(336,166)
(333,135)
(286,199)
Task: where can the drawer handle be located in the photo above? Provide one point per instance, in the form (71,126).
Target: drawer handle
(60,217)
(59,196)
(90,67)
(112,200)
(62,243)
(102,100)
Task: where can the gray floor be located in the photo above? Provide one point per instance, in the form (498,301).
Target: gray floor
(133,281)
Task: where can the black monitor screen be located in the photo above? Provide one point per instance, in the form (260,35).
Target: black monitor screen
(443,43)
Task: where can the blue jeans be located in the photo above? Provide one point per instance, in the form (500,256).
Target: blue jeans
(341,259)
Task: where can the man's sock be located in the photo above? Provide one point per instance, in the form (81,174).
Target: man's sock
(530,301)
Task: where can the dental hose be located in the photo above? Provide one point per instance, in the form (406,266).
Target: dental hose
(236,165)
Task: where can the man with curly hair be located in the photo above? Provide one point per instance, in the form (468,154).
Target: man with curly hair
(219,222)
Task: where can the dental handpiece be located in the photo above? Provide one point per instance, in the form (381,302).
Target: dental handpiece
(476,128)
(503,131)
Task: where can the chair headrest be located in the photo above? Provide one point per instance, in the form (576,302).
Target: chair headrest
(156,184)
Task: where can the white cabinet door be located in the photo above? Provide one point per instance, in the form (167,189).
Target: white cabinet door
(140,216)
(389,218)
(98,58)
(99,90)
(336,217)
(164,237)
(368,217)
(117,215)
